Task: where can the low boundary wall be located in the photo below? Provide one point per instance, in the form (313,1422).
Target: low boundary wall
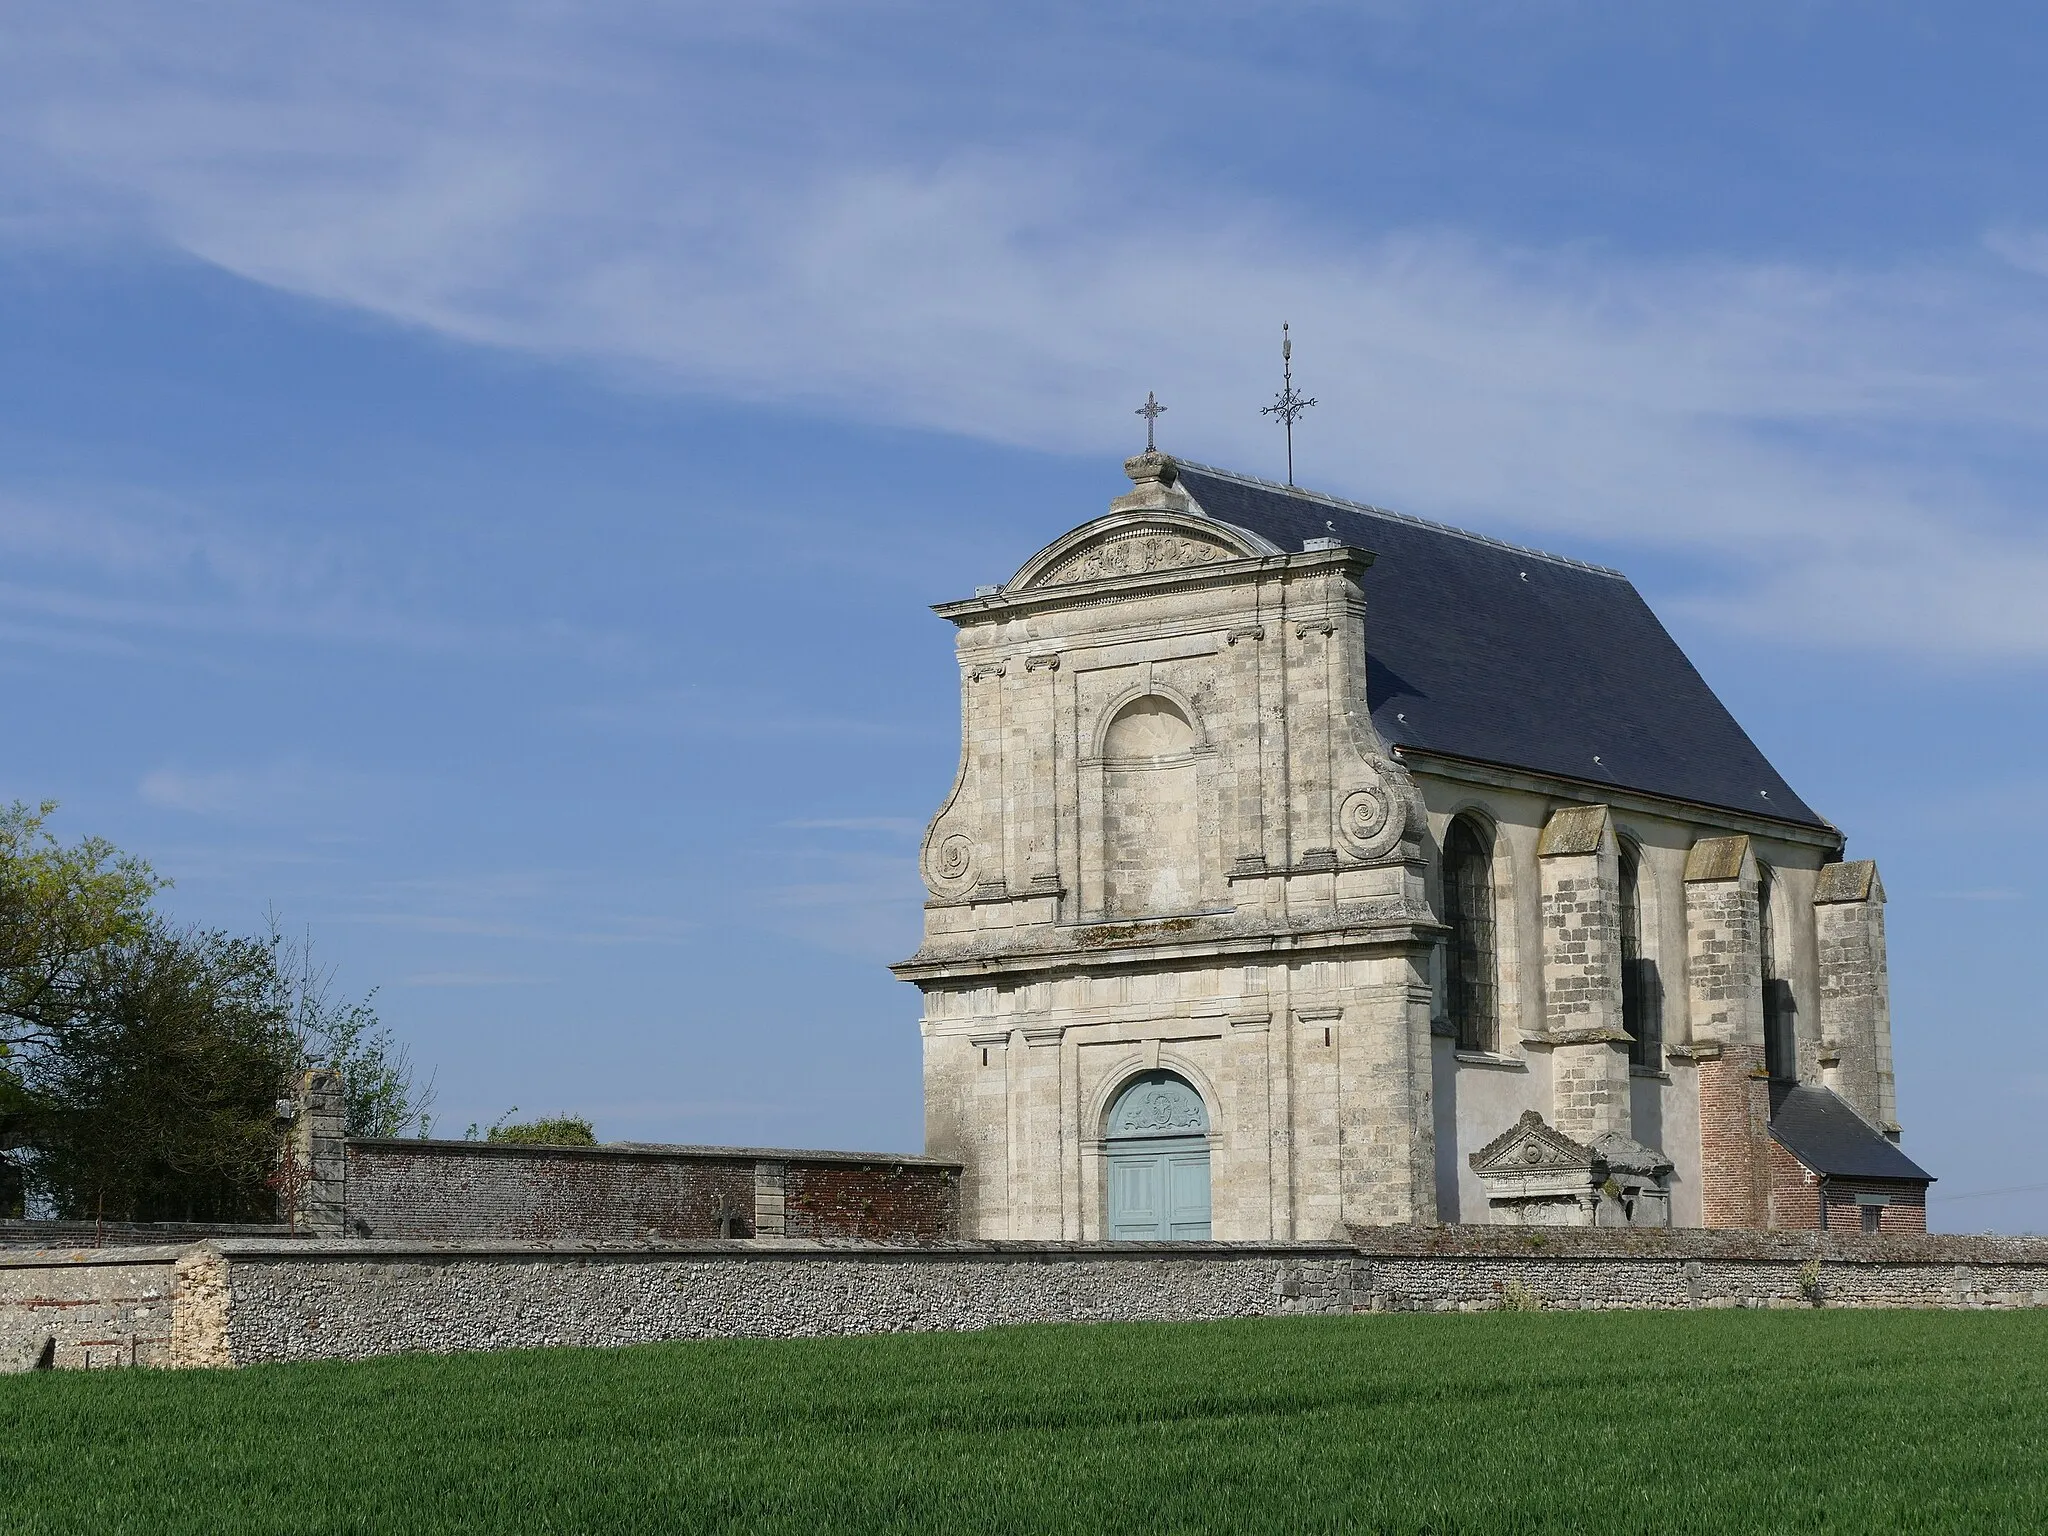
(480,1191)
(243,1301)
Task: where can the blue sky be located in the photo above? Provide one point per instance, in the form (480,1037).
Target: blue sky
(471,476)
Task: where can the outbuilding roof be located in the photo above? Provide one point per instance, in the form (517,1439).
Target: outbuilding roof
(1480,650)
(1823,1132)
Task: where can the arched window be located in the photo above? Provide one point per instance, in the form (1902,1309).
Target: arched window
(1781,1035)
(1640,1003)
(1471,996)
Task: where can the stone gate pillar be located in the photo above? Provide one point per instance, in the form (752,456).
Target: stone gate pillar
(315,1188)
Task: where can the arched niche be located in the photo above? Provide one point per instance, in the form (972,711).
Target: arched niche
(1151,833)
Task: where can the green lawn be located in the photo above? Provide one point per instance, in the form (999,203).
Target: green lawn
(1698,1421)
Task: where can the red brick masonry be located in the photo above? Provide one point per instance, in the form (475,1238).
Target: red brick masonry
(465,1191)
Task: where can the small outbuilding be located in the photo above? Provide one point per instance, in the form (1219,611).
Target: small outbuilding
(1831,1168)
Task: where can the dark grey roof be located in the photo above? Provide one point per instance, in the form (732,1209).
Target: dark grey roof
(1829,1137)
(1477,649)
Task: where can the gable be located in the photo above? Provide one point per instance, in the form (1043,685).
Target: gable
(1133,544)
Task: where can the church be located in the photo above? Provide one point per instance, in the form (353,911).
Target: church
(1311,866)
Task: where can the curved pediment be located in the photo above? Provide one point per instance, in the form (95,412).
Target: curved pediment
(1135,544)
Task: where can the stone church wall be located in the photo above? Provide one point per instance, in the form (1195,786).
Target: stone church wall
(1690,995)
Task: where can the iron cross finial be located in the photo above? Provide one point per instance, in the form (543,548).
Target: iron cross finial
(1151,410)
(1288,405)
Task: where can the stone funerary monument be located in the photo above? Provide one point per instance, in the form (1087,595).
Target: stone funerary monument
(1310,866)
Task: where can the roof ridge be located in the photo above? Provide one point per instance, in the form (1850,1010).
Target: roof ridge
(1410,518)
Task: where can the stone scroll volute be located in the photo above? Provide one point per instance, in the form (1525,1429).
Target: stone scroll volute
(952,859)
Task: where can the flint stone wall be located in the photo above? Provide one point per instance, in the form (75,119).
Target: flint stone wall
(353,1300)
(1448,1269)
(244,1302)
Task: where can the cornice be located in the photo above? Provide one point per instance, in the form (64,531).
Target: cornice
(1471,770)
(1002,604)
(1413,932)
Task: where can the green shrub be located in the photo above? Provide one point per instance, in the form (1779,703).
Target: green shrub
(553,1131)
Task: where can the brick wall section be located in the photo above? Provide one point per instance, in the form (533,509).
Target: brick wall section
(1907,1212)
(875,1202)
(1795,1193)
(453,1191)
(1796,1196)
(1735,1112)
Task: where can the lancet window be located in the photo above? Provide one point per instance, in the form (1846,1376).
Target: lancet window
(1640,1004)
(1781,1049)
(1470,959)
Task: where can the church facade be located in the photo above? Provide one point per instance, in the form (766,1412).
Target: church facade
(1309,867)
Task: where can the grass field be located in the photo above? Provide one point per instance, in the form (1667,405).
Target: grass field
(1700,1421)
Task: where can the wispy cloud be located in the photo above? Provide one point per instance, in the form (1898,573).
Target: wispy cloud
(472,979)
(598,182)
(292,790)
(104,568)
(731,714)
(529,906)
(894,826)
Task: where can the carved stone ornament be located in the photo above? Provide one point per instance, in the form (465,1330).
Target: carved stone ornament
(1158,1104)
(1371,819)
(952,860)
(1134,554)
(1531,1144)
(1535,1175)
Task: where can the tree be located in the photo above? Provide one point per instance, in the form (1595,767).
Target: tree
(378,1086)
(158,1100)
(141,1065)
(59,909)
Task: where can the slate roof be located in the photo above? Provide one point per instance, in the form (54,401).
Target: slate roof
(1477,649)
(1825,1134)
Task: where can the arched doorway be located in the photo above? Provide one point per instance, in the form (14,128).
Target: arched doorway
(1158,1144)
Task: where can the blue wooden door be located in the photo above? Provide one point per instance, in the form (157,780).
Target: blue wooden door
(1137,1198)
(1187,1196)
(1158,1171)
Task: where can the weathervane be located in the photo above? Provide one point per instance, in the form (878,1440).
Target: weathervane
(1287,405)
(1151,410)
